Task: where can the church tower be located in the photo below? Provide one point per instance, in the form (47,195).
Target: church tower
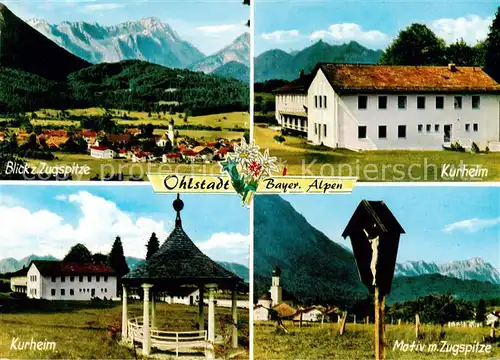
(276,291)
(170,133)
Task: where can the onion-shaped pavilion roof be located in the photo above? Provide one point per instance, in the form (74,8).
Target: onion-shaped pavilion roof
(178,261)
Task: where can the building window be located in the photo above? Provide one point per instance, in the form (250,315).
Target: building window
(382,132)
(315,129)
(53,279)
(72,292)
(324,101)
(63,279)
(63,292)
(476,101)
(475,127)
(89,279)
(458,102)
(72,278)
(97,278)
(362,102)
(106,290)
(420,127)
(105,279)
(467,127)
(80,278)
(361,132)
(439,102)
(428,127)
(402,102)
(382,102)
(401,131)
(53,292)
(420,102)
(324,130)
(320,101)
(436,128)
(315,101)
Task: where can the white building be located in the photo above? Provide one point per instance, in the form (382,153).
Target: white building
(19,281)
(369,107)
(101,152)
(310,314)
(183,295)
(58,280)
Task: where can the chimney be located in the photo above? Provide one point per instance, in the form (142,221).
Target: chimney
(301,74)
(452,67)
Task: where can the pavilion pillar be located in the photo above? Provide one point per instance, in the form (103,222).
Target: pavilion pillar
(201,307)
(146,339)
(153,309)
(234,310)
(124,313)
(211,313)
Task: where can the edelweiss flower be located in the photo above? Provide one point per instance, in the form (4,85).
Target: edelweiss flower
(268,164)
(245,153)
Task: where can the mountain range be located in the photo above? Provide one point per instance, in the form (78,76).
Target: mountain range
(473,269)
(148,39)
(279,64)
(317,270)
(9,265)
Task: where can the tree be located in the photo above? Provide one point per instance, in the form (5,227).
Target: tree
(152,246)
(481,311)
(492,57)
(79,254)
(99,258)
(461,54)
(117,258)
(415,45)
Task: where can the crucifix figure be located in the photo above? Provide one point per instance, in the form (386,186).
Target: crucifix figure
(374,242)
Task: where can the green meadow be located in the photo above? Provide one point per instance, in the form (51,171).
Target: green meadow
(324,342)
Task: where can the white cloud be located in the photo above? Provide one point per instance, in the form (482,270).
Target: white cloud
(102,7)
(472,225)
(100,221)
(232,247)
(61,197)
(471,28)
(280,35)
(341,33)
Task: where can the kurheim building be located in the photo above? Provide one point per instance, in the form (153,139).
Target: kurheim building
(370,107)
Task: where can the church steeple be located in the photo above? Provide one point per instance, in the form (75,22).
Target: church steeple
(178,206)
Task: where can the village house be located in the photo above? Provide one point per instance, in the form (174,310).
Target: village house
(101,152)
(59,280)
(309,314)
(186,295)
(205,153)
(171,158)
(369,107)
(19,281)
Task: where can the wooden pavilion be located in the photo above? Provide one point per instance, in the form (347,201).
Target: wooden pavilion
(177,263)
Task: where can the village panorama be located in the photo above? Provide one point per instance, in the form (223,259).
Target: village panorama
(116,112)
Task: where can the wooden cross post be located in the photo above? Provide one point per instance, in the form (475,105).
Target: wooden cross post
(379,325)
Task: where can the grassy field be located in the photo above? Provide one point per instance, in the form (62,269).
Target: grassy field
(80,330)
(126,167)
(357,343)
(225,120)
(303,159)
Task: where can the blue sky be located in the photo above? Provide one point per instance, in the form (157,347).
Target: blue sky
(47,220)
(293,25)
(209,25)
(442,224)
